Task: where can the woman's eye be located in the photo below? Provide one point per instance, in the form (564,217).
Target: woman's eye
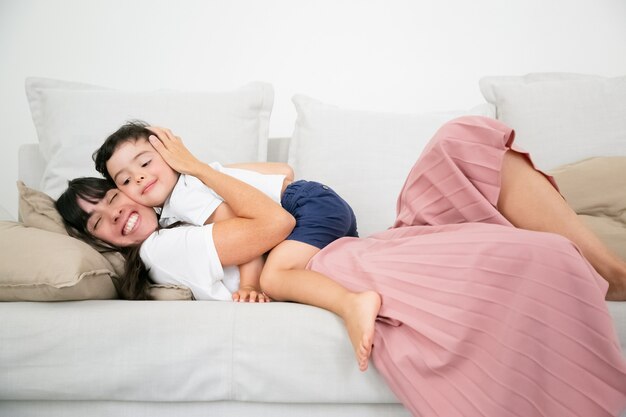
(125,182)
(145,164)
(112,198)
(95,225)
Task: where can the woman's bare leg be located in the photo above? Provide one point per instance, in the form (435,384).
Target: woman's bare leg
(284,278)
(529,201)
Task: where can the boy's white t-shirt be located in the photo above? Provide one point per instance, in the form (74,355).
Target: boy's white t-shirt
(186,255)
(193,202)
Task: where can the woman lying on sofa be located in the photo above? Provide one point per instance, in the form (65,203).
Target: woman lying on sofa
(477,313)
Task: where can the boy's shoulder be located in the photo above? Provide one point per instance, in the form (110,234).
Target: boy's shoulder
(191,201)
(188,183)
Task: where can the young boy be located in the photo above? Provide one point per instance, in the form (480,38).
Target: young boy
(128,159)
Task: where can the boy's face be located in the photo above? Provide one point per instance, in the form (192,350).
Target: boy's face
(141,173)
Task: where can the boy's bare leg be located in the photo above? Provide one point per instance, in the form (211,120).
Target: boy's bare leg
(284,278)
(529,201)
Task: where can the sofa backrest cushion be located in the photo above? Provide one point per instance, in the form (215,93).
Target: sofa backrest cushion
(561,118)
(72,120)
(364,156)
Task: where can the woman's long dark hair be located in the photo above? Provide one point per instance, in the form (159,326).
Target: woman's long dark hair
(135,281)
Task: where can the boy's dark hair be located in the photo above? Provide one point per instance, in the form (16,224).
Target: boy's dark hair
(134,283)
(131,130)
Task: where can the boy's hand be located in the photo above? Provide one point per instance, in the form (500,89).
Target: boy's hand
(173,150)
(250,294)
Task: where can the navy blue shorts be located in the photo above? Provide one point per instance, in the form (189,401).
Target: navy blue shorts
(321,215)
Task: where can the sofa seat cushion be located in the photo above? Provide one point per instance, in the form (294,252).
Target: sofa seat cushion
(180,351)
(617,309)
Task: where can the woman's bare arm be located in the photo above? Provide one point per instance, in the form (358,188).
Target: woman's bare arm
(260,223)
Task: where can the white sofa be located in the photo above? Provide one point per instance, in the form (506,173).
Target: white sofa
(192,358)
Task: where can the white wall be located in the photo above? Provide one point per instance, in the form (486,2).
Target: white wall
(393,55)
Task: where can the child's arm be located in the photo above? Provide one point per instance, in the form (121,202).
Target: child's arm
(250,272)
(268,168)
(250,282)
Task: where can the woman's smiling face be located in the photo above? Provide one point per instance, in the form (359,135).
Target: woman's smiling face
(118,220)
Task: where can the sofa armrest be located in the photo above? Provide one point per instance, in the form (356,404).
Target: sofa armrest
(30,165)
(278,149)
(5,215)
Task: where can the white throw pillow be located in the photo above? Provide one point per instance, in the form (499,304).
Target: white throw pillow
(559,117)
(73,120)
(364,156)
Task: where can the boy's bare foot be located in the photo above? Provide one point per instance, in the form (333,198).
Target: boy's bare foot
(360,317)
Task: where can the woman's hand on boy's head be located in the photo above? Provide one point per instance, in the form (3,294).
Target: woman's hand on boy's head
(173,151)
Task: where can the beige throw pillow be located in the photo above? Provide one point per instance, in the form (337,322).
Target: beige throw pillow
(36,209)
(39,265)
(596,190)
(72,263)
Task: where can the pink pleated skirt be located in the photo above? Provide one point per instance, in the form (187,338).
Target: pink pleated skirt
(480,318)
